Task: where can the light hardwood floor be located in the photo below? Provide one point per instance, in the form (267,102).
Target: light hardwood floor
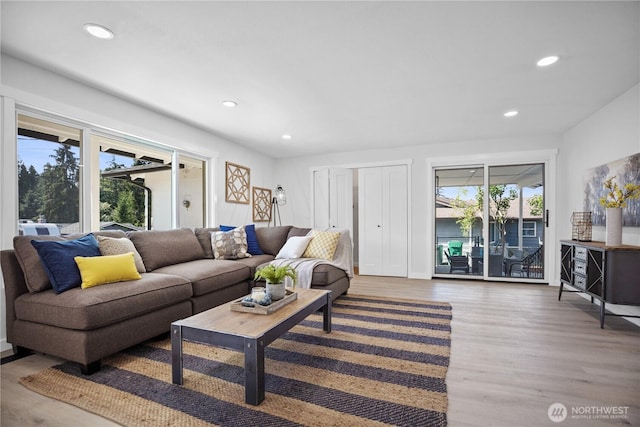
(515,351)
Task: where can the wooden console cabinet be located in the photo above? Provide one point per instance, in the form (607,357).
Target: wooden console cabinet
(610,274)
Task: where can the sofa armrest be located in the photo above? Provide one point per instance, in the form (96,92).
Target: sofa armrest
(14,286)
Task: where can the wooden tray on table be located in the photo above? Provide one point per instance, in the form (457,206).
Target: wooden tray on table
(289,296)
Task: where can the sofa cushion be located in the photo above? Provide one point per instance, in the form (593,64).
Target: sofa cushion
(325,274)
(255,261)
(253,247)
(34,273)
(204,237)
(93,308)
(271,239)
(100,270)
(207,275)
(297,231)
(230,244)
(166,247)
(58,260)
(117,246)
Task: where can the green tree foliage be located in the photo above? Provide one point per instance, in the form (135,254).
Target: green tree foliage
(59,187)
(470,211)
(121,199)
(125,210)
(500,198)
(536,203)
(28,192)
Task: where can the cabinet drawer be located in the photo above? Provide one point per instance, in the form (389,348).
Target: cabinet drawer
(580,253)
(580,267)
(580,281)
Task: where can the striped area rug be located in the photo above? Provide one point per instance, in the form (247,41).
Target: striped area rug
(384,363)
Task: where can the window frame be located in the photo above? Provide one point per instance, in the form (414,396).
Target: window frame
(89,174)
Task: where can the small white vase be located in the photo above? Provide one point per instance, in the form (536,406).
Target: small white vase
(614,227)
(276,290)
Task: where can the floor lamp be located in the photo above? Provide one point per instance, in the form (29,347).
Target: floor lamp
(279,199)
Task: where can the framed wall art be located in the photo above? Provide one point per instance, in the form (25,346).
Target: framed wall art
(237,183)
(261,204)
(626,171)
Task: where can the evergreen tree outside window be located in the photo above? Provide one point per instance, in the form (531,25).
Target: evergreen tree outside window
(48,172)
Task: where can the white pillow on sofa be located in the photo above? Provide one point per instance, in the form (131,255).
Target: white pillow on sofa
(294,247)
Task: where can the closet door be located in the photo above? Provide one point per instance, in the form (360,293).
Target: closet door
(370,221)
(394,221)
(333,199)
(321,199)
(383,221)
(341,199)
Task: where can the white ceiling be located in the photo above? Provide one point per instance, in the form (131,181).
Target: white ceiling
(341,76)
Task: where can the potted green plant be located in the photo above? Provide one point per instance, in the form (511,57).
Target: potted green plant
(274,276)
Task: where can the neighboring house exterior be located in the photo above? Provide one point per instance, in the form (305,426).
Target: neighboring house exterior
(448,229)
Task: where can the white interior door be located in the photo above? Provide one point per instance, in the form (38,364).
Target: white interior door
(370,221)
(321,199)
(394,221)
(341,199)
(383,221)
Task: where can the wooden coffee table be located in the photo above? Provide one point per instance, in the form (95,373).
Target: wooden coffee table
(246,332)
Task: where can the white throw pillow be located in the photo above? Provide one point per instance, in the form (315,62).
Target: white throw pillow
(294,247)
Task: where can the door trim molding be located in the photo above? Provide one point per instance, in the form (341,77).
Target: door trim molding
(359,165)
(548,157)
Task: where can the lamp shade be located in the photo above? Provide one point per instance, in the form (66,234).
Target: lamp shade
(280,195)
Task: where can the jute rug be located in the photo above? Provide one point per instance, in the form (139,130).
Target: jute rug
(384,363)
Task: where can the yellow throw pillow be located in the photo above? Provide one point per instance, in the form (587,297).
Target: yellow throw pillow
(100,270)
(323,245)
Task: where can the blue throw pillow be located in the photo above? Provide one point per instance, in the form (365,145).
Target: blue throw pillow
(252,240)
(57,259)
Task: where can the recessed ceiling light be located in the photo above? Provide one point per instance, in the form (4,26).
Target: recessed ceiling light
(98,31)
(546,61)
(286,136)
(229,103)
(511,113)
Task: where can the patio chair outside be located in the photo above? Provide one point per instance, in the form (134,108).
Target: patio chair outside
(455,248)
(530,266)
(458,263)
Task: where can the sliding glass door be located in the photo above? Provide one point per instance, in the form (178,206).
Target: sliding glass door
(490,221)
(516,229)
(458,221)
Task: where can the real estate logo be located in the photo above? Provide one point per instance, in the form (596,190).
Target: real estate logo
(557,412)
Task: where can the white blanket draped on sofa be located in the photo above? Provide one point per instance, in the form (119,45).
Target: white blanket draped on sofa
(342,258)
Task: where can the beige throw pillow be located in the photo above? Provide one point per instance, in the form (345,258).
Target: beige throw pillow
(118,246)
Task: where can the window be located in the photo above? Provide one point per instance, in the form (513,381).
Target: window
(48,177)
(138,184)
(528,229)
(191,195)
(135,185)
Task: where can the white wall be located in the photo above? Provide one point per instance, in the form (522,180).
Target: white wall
(294,175)
(610,134)
(27,85)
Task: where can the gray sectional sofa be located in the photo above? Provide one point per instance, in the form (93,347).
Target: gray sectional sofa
(181,279)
